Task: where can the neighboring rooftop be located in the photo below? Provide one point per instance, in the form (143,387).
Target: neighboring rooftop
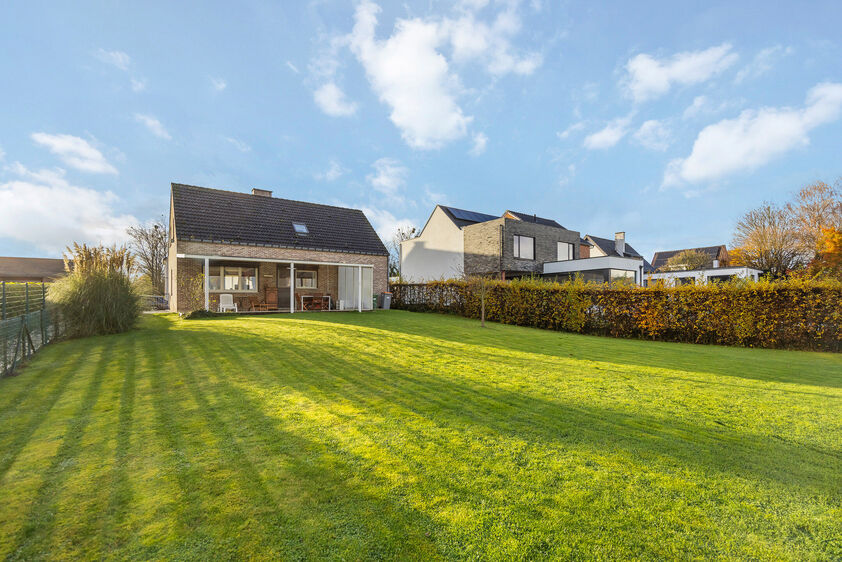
(463,218)
(230,217)
(660,259)
(30,269)
(533,218)
(608,245)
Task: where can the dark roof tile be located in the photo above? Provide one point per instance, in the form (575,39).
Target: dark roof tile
(214,215)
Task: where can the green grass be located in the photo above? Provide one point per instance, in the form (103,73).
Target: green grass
(400,435)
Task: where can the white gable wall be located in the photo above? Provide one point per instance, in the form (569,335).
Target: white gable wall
(438,253)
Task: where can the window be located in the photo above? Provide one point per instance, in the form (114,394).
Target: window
(306,279)
(223,278)
(524,247)
(300,228)
(565,251)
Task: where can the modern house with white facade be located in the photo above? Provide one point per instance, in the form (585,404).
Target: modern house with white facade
(701,276)
(717,268)
(455,243)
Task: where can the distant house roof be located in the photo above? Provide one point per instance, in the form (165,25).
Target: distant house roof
(463,218)
(30,269)
(607,245)
(525,217)
(229,217)
(660,259)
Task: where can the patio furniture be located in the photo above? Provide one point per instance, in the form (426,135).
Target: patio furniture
(271,300)
(316,302)
(226,303)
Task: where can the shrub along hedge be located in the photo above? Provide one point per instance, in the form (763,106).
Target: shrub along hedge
(786,314)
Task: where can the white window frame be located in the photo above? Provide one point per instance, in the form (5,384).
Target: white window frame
(298,279)
(516,248)
(221,278)
(565,251)
(303,232)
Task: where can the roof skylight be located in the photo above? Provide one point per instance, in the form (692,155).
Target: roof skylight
(300,228)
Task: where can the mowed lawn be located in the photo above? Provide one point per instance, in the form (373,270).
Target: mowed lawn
(398,435)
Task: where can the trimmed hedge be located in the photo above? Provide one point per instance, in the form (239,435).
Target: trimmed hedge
(785,314)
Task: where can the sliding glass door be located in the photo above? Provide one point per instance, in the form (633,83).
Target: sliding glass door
(349,288)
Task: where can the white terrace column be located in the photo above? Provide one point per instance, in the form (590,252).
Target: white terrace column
(291,287)
(360,289)
(207,284)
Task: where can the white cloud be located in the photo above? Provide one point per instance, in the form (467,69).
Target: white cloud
(75,152)
(218,84)
(43,208)
(389,178)
(138,84)
(292,67)
(334,172)
(699,102)
(384,222)
(117,59)
(654,135)
(412,77)
(238,144)
(480,142)
(609,135)
(573,128)
(472,39)
(154,126)
(566,178)
(762,63)
(2,154)
(331,99)
(754,138)
(648,78)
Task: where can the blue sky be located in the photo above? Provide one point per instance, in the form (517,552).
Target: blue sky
(665,120)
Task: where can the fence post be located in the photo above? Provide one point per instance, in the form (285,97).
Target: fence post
(3,305)
(26,298)
(43,314)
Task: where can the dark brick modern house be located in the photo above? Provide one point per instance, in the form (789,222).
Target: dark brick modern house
(268,253)
(457,243)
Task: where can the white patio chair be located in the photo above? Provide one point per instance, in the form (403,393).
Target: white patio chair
(226,303)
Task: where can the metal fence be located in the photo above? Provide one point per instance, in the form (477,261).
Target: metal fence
(27,322)
(154,302)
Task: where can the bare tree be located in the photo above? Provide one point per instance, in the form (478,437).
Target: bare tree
(401,233)
(816,206)
(766,238)
(149,244)
(687,260)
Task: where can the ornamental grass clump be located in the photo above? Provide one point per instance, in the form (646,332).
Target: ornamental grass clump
(96,296)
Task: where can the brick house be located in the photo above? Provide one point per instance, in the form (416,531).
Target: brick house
(269,253)
(457,243)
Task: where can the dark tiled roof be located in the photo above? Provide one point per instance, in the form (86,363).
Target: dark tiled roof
(463,218)
(214,215)
(30,268)
(536,219)
(660,259)
(607,246)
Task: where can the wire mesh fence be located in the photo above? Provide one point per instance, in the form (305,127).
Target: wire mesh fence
(27,322)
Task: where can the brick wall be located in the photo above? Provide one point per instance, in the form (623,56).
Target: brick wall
(483,241)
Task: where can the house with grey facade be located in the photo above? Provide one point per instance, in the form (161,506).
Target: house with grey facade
(456,243)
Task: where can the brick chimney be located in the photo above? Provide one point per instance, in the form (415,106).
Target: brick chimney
(620,242)
(261,192)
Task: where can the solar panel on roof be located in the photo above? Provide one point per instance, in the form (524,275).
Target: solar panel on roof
(464,215)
